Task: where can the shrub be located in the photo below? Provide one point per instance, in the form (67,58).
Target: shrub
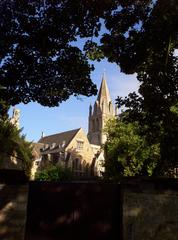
(54,173)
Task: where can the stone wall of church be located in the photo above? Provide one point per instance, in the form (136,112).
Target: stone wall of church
(80,148)
(81,155)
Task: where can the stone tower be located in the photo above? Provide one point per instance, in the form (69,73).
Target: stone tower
(102,110)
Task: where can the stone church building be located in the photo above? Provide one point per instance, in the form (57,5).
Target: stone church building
(102,111)
(74,149)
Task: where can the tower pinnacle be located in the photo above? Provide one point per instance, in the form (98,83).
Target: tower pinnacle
(103,94)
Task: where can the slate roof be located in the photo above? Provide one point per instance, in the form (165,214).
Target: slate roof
(60,138)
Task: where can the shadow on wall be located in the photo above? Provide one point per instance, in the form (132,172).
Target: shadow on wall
(13,203)
(150,209)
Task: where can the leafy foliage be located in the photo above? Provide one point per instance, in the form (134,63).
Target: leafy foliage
(54,173)
(138,32)
(39,62)
(13,144)
(155,110)
(37,59)
(142,37)
(127,152)
(140,143)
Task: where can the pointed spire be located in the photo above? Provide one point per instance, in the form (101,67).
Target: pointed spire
(104,92)
(90,110)
(42,135)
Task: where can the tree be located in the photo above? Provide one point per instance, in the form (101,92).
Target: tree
(142,37)
(138,32)
(127,151)
(14,145)
(133,148)
(38,61)
(154,111)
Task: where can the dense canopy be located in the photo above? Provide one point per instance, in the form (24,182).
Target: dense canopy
(38,59)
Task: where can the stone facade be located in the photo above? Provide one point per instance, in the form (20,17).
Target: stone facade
(84,152)
(69,149)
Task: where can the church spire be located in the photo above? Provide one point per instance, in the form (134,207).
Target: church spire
(104,92)
(103,110)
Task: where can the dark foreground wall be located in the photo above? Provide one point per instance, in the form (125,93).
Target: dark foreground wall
(150,209)
(73,211)
(13,206)
(134,209)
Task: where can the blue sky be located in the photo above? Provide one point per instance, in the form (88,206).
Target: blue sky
(73,113)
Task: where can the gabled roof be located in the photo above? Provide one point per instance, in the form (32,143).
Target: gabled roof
(63,139)
(104,91)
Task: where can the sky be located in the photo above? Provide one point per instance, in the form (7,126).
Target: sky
(72,114)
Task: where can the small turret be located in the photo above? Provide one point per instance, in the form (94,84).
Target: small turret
(90,110)
(42,135)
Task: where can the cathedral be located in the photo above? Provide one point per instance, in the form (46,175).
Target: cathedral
(74,149)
